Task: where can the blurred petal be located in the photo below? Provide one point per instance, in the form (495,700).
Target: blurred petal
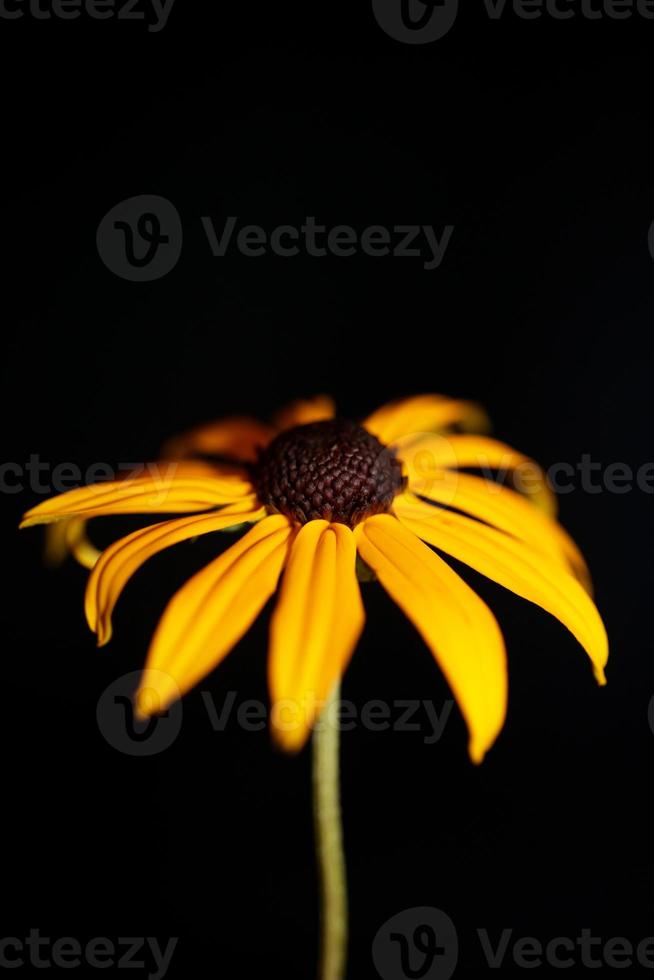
(123,558)
(77,541)
(507,510)
(457,626)
(427,455)
(56,550)
(209,614)
(305,410)
(316,624)
(238,437)
(192,468)
(516,566)
(423,414)
(69,536)
(166,488)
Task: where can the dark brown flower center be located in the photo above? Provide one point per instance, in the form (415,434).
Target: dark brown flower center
(333,470)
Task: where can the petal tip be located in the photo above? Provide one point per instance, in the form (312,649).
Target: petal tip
(145,705)
(139,713)
(103,637)
(157,690)
(288,741)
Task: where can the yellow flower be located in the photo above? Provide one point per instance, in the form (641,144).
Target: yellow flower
(320,491)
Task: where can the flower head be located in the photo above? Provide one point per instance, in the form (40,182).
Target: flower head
(332,470)
(318,491)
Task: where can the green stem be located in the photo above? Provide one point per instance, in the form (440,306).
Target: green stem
(329,844)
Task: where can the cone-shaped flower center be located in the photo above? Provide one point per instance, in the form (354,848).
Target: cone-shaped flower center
(334,470)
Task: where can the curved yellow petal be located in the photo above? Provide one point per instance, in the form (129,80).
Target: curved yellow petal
(506,510)
(166,488)
(424,414)
(209,614)
(315,627)
(426,456)
(305,410)
(457,626)
(78,543)
(124,557)
(516,566)
(239,438)
(56,550)
(68,537)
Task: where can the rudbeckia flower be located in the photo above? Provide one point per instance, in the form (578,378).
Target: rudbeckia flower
(318,491)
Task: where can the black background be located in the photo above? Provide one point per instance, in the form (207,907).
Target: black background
(532,138)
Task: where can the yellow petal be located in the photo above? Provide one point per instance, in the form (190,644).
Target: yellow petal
(69,537)
(238,437)
(77,541)
(457,626)
(426,456)
(305,410)
(316,624)
(516,566)
(504,509)
(166,488)
(191,468)
(123,558)
(56,549)
(209,614)
(423,414)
